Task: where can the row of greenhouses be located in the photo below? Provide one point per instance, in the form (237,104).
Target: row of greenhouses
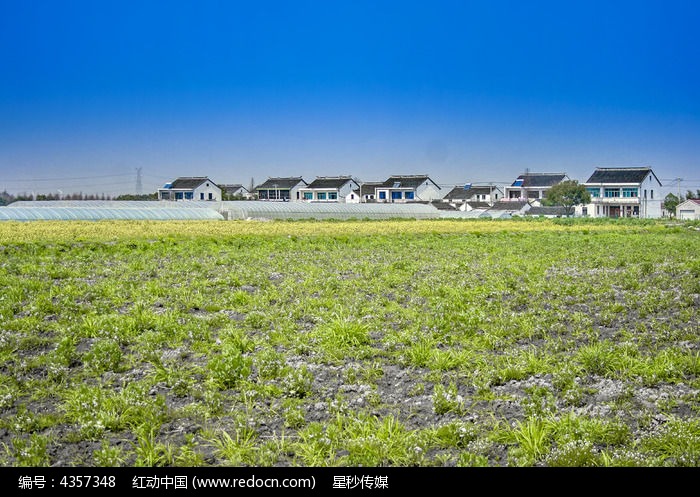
(226,210)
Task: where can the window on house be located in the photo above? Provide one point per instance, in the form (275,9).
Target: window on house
(332,196)
(395,195)
(178,195)
(382,195)
(595,192)
(211,196)
(630,192)
(612,192)
(652,193)
(409,196)
(308,195)
(321,195)
(189,195)
(201,196)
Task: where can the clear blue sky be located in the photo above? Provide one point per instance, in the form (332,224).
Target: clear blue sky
(465,91)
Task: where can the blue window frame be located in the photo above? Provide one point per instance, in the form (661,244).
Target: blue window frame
(395,195)
(408,195)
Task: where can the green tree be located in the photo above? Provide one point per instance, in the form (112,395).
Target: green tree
(670,203)
(567,194)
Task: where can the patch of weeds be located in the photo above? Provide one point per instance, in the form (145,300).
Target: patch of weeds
(109,456)
(447,399)
(675,443)
(104,355)
(575,453)
(456,434)
(269,364)
(187,454)
(148,450)
(31,451)
(230,367)
(541,402)
(470,460)
(239,449)
(293,413)
(416,389)
(530,440)
(297,382)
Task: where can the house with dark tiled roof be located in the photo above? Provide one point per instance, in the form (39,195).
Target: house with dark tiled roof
(623,192)
(190,188)
(330,189)
(367,191)
(407,188)
(547,211)
(533,186)
(507,208)
(235,191)
(281,189)
(468,196)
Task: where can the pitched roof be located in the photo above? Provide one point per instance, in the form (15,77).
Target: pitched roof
(547,210)
(462,193)
(280,183)
(190,182)
(443,206)
(367,188)
(232,188)
(329,181)
(409,181)
(619,175)
(509,205)
(539,179)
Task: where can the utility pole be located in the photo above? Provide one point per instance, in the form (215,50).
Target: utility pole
(679,187)
(139,186)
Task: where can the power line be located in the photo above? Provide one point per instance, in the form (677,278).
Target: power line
(29,180)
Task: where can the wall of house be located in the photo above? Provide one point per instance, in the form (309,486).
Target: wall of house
(205,190)
(688,211)
(428,191)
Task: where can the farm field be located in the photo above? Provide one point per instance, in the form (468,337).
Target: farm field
(350,343)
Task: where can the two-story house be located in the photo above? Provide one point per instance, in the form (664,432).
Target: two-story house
(282,189)
(190,188)
(533,186)
(330,189)
(623,192)
(409,188)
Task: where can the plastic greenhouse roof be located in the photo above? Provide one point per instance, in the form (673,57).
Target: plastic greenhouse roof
(253,209)
(119,204)
(99,213)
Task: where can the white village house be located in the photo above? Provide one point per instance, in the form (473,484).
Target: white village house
(409,188)
(190,188)
(623,192)
(533,186)
(284,189)
(330,189)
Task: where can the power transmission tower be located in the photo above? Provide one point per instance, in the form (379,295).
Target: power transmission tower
(139,186)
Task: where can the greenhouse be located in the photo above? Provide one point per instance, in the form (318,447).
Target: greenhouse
(10,213)
(226,210)
(302,210)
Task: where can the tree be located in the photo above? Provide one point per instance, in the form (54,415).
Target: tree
(670,203)
(567,194)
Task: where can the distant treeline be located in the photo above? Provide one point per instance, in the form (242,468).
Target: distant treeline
(7,198)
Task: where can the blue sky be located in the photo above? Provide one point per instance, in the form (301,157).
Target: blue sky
(465,91)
